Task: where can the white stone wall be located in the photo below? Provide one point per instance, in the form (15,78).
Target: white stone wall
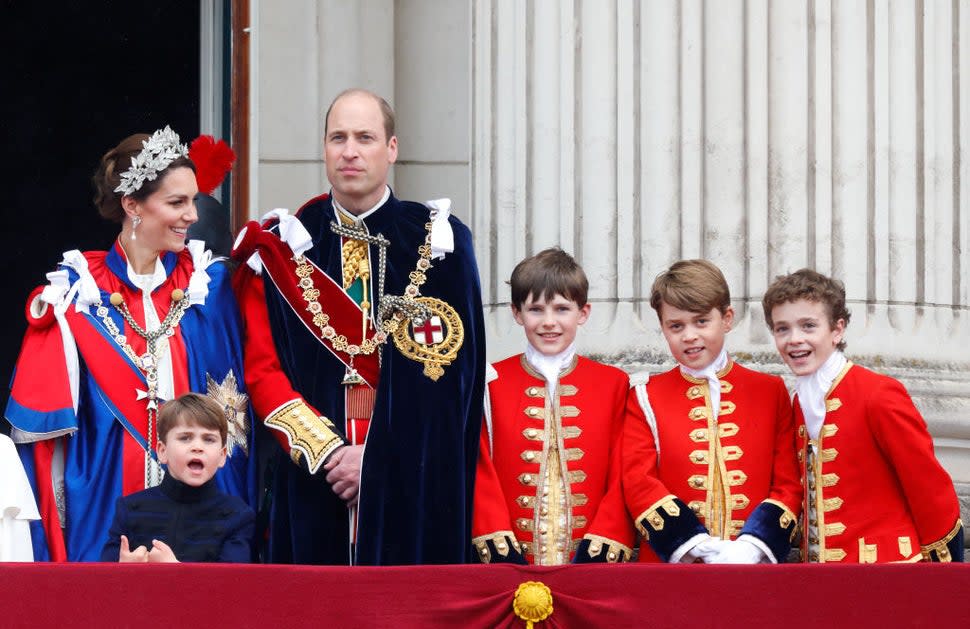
(414,53)
(765,135)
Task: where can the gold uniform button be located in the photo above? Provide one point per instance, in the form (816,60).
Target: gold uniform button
(527,478)
(531,432)
(532,391)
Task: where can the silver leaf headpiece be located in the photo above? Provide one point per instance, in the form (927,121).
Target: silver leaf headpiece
(159,151)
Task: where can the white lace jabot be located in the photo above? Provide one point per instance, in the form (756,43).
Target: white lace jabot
(550,366)
(813,388)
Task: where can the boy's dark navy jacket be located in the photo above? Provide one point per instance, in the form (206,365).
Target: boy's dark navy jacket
(199,523)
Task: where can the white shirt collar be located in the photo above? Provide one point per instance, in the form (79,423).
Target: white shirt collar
(359,217)
(147,282)
(550,366)
(813,388)
(709,373)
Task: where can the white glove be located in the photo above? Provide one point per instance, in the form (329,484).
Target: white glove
(704,547)
(739,551)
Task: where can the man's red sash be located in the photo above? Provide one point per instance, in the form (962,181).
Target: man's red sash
(345,314)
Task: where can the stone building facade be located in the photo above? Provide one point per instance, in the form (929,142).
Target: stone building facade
(764,135)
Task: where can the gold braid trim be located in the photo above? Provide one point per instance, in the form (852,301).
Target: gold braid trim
(786,518)
(502,541)
(312,436)
(652,515)
(940,547)
(353,252)
(615,551)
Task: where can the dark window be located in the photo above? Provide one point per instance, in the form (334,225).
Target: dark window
(77,78)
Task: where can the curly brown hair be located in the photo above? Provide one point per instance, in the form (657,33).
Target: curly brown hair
(812,286)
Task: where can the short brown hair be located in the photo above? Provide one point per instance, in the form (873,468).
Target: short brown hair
(386,111)
(693,285)
(193,409)
(117,161)
(812,286)
(549,273)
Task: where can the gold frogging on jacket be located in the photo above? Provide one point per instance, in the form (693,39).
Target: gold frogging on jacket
(435,355)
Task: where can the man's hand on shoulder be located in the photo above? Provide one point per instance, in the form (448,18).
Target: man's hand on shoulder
(343,473)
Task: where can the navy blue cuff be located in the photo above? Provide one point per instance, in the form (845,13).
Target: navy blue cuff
(499,548)
(668,525)
(601,550)
(774,525)
(948,549)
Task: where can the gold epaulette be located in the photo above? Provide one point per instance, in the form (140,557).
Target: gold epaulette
(310,435)
(615,551)
(939,550)
(502,540)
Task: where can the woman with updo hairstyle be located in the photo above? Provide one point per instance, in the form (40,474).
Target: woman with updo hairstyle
(111,337)
(108,176)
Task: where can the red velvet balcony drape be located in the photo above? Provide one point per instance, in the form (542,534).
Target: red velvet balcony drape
(111,595)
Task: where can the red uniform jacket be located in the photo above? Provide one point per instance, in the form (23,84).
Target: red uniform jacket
(726,476)
(548,474)
(879,494)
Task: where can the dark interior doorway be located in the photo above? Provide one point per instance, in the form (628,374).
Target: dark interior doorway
(79,77)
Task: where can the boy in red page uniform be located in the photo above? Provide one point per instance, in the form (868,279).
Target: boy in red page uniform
(547,489)
(709,446)
(874,489)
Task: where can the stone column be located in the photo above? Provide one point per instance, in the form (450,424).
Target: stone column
(415,54)
(765,136)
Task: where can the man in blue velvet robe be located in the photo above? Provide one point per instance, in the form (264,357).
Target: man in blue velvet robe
(365,354)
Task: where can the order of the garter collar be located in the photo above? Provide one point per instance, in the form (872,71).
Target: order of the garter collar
(159,151)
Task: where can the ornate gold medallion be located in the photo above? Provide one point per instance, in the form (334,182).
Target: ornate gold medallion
(434,341)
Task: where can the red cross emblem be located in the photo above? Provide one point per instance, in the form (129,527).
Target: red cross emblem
(428,331)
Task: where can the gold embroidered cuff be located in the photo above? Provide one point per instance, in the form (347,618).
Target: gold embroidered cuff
(614,550)
(501,540)
(652,515)
(313,436)
(787,515)
(940,549)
